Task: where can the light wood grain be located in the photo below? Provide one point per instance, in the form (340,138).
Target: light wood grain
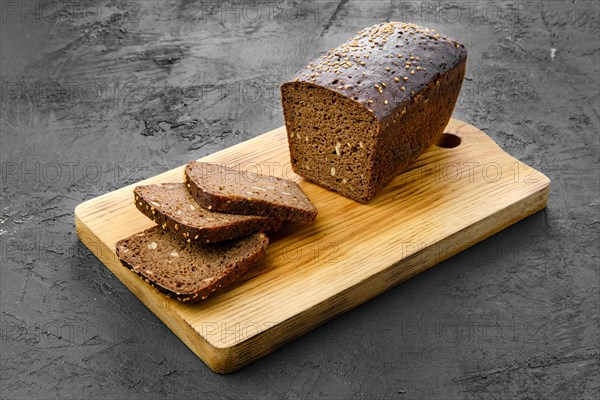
(449,200)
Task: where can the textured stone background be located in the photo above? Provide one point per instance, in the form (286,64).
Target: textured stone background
(99,94)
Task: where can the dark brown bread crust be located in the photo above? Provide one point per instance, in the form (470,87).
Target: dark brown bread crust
(171,207)
(400,81)
(219,188)
(189,272)
(424,122)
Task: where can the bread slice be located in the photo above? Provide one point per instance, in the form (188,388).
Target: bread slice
(172,207)
(189,272)
(239,192)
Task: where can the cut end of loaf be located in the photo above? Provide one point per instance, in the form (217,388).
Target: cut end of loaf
(331,138)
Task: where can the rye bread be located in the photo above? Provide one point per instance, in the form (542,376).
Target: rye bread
(189,272)
(363,112)
(224,189)
(172,207)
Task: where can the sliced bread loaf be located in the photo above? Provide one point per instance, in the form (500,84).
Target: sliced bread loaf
(189,272)
(216,187)
(172,207)
(363,112)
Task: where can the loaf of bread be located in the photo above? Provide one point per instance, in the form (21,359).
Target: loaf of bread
(363,112)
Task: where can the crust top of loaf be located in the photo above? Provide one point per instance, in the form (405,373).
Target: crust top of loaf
(384,65)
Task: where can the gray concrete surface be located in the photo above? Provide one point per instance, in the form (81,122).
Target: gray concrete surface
(99,94)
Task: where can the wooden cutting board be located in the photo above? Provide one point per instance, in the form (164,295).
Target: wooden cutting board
(449,200)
